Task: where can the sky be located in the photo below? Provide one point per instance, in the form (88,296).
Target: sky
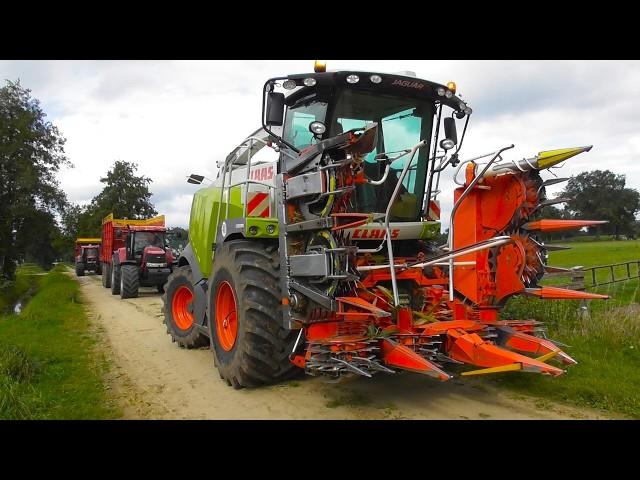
(174,118)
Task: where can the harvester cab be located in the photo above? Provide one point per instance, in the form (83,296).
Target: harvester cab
(324,258)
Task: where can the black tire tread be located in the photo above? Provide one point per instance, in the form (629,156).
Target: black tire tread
(194,338)
(130,281)
(106,275)
(266,345)
(80,269)
(115,281)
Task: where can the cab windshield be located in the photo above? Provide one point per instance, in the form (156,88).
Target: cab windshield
(402,123)
(91,252)
(144,239)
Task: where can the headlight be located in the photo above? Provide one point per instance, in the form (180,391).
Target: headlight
(310,82)
(440,91)
(317,128)
(353,79)
(448,94)
(289,84)
(375,78)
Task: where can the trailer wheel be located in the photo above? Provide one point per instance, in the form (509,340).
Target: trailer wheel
(178,310)
(80,269)
(129,281)
(106,275)
(115,278)
(250,347)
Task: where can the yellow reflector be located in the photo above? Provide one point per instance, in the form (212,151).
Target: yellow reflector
(320,66)
(547,356)
(451,86)
(512,367)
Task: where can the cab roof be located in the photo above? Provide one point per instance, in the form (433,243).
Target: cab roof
(391,83)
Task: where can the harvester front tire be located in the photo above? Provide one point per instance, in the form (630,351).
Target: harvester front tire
(106,275)
(178,310)
(80,269)
(115,279)
(129,281)
(250,347)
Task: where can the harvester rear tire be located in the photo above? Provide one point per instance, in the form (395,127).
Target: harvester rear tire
(115,279)
(80,269)
(179,321)
(106,275)
(129,281)
(253,348)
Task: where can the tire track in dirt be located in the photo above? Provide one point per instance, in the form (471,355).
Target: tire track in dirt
(152,377)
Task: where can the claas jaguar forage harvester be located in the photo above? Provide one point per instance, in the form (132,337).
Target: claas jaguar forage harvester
(324,258)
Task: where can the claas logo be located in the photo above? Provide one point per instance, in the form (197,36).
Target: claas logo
(260,174)
(373,234)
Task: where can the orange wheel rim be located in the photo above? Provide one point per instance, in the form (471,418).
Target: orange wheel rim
(226,316)
(182,307)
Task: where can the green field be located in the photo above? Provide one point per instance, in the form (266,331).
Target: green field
(49,368)
(606,342)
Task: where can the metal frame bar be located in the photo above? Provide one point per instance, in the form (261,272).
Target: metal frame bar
(227,169)
(394,195)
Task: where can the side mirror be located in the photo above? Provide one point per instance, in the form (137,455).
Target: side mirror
(275,109)
(450,131)
(195,179)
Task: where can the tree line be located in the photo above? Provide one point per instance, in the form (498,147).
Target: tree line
(37,221)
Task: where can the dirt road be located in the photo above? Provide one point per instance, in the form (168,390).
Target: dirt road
(154,378)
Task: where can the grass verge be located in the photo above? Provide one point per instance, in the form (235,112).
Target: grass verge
(604,339)
(48,365)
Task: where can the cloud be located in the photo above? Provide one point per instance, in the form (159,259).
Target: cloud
(174,118)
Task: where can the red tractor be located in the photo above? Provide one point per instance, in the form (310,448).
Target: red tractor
(86,256)
(135,254)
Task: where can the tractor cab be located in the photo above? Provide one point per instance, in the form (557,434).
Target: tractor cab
(90,254)
(147,246)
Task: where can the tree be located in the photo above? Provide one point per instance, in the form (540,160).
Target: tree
(31,153)
(602,195)
(125,194)
(177,237)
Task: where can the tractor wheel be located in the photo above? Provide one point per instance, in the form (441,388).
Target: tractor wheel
(98,270)
(80,269)
(115,279)
(129,281)
(178,310)
(250,347)
(106,275)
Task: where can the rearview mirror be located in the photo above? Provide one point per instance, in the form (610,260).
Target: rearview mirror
(450,131)
(195,179)
(275,109)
